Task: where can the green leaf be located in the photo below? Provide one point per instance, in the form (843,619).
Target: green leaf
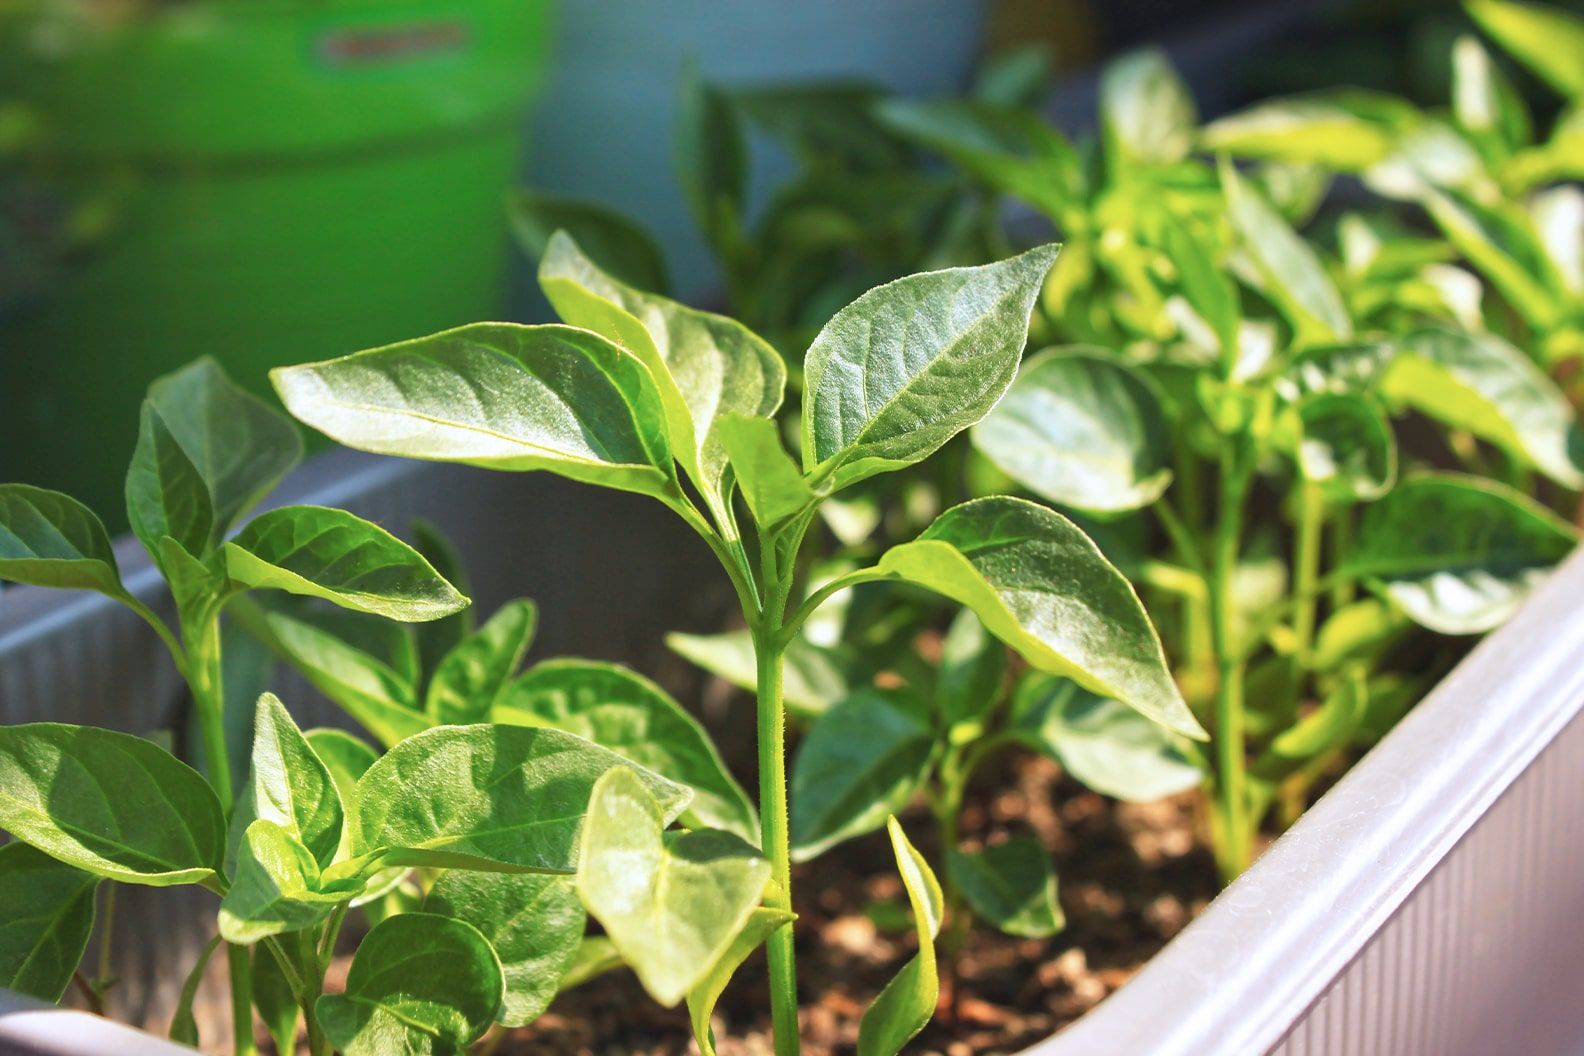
(1558,218)
(473,674)
(434,639)
(381,701)
(615,242)
(1323,730)
(1294,278)
(184,1028)
(630,715)
(701,999)
(1082,430)
(861,762)
(1204,283)
(1345,447)
(278,887)
(239,446)
(595,956)
(496,395)
(332,554)
(492,797)
(118,806)
(165,493)
(972,667)
(1484,102)
(1010,884)
(771,483)
(534,922)
(908,1000)
(711,159)
(1146,113)
(1499,239)
(907,366)
(344,756)
(1547,39)
(1457,554)
(292,787)
(1302,130)
(1107,746)
(51,540)
(704,365)
(671,906)
(49,914)
(1483,384)
(1043,587)
(272,997)
(420,985)
(813,681)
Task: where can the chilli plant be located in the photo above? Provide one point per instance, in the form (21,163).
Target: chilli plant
(645,395)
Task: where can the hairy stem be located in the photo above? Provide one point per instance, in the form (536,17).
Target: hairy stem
(1235,837)
(1306,572)
(777,847)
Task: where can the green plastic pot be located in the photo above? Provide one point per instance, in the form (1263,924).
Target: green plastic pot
(267,181)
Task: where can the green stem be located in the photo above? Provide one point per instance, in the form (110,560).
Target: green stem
(777,847)
(1306,572)
(1341,545)
(1233,847)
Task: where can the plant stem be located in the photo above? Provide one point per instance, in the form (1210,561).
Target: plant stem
(773,819)
(1233,848)
(1306,571)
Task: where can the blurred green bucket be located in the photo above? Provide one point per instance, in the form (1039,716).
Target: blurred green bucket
(269,181)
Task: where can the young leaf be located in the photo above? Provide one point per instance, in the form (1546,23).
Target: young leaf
(711,159)
(473,674)
(762,923)
(239,446)
(49,914)
(771,483)
(1146,113)
(861,762)
(615,242)
(1499,239)
(1323,730)
(420,985)
(489,797)
(1204,283)
(908,1000)
(630,715)
(814,679)
(1081,430)
(1294,278)
(972,668)
(1011,885)
(51,540)
(1345,447)
(1483,384)
(1457,554)
(184,1028)
(345,757)
(278,887)
(273,998)
(1549,40)
(705,365)
(1043,587)
(909,365)
(496,395)
(115,805)
(671,905)
(332,554)
(292,787)
(1305,131)
(436,638)
(165,493)
(534,923)
(1107,746)
(1486,105)
(379,699)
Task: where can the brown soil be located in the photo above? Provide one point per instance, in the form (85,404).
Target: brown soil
(1131,877)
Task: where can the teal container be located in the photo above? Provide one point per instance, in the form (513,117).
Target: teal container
(268,181)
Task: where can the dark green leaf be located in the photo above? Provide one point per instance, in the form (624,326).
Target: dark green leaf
(908,1000)
(1457,554)
(496,395)
(472,675)
(630,715)
(505,798)
(672,906)
(165,493)
(1345,447)
(51,540)
(1081,430)
(711,159)
(420,985)
(534,922)
(972,667)
(1043,587)
(910,364)
(115,805)
(332,554)
(49,914)
(184,1028)
(614,241)
(437,637)
(861,762)
(272,997)
(1011,885)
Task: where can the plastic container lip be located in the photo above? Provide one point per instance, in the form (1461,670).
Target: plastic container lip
(204,79)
